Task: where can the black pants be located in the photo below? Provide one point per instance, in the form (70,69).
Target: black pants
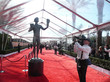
(82,68)
(41,50)
(18,50)
(107,56)
(55,51)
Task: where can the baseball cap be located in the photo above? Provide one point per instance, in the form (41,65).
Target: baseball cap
(87,39)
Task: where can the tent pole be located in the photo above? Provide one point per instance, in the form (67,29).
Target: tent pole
(59,26)
(97,40)
(74,12)
(61,20)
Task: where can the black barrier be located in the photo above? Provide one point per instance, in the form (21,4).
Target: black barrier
(25,65)
(1,71)
(13,61)
(16,60)
(30,55)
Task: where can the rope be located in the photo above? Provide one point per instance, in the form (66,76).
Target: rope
(30,54)
(14,61)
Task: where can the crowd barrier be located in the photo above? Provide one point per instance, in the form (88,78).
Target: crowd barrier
(1,71)
(30,55)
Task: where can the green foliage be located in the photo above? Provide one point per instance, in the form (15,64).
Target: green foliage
(6,41)
(96,61)
(101,62)
(70,53)
(11,50)
(8,51)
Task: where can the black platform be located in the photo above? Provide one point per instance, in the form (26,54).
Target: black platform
(35,67)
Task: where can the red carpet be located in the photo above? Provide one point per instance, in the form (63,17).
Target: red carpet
(57,68)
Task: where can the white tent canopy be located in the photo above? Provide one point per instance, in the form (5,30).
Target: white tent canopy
(60,14)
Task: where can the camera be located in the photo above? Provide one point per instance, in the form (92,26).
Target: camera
(79,38)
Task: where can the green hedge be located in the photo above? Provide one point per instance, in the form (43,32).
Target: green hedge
(70,53)
(100,62)
(96,61)
(11,50)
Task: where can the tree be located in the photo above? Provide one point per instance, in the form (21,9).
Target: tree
(76,4)
(100,6)
(7,17)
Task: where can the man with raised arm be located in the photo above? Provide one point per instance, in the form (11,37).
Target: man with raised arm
(82,58)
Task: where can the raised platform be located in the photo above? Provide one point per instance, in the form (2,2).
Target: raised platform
(35,67)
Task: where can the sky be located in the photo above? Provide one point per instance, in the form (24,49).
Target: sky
(89,12)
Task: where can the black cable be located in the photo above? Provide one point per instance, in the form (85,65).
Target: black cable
(14,61)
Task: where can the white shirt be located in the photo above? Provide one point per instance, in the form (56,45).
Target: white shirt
(77,51)
(107,51)
(55,47)
(85,48)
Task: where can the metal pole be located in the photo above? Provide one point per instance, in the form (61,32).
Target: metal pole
(55,29)
(25,66)
(1,65)
(60,26)
(62,20)
(97,41)
(66,43)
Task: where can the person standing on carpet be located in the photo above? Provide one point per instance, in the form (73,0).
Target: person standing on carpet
(41,46)
(55,48)
(107,52)
(18,47)
(82,55)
